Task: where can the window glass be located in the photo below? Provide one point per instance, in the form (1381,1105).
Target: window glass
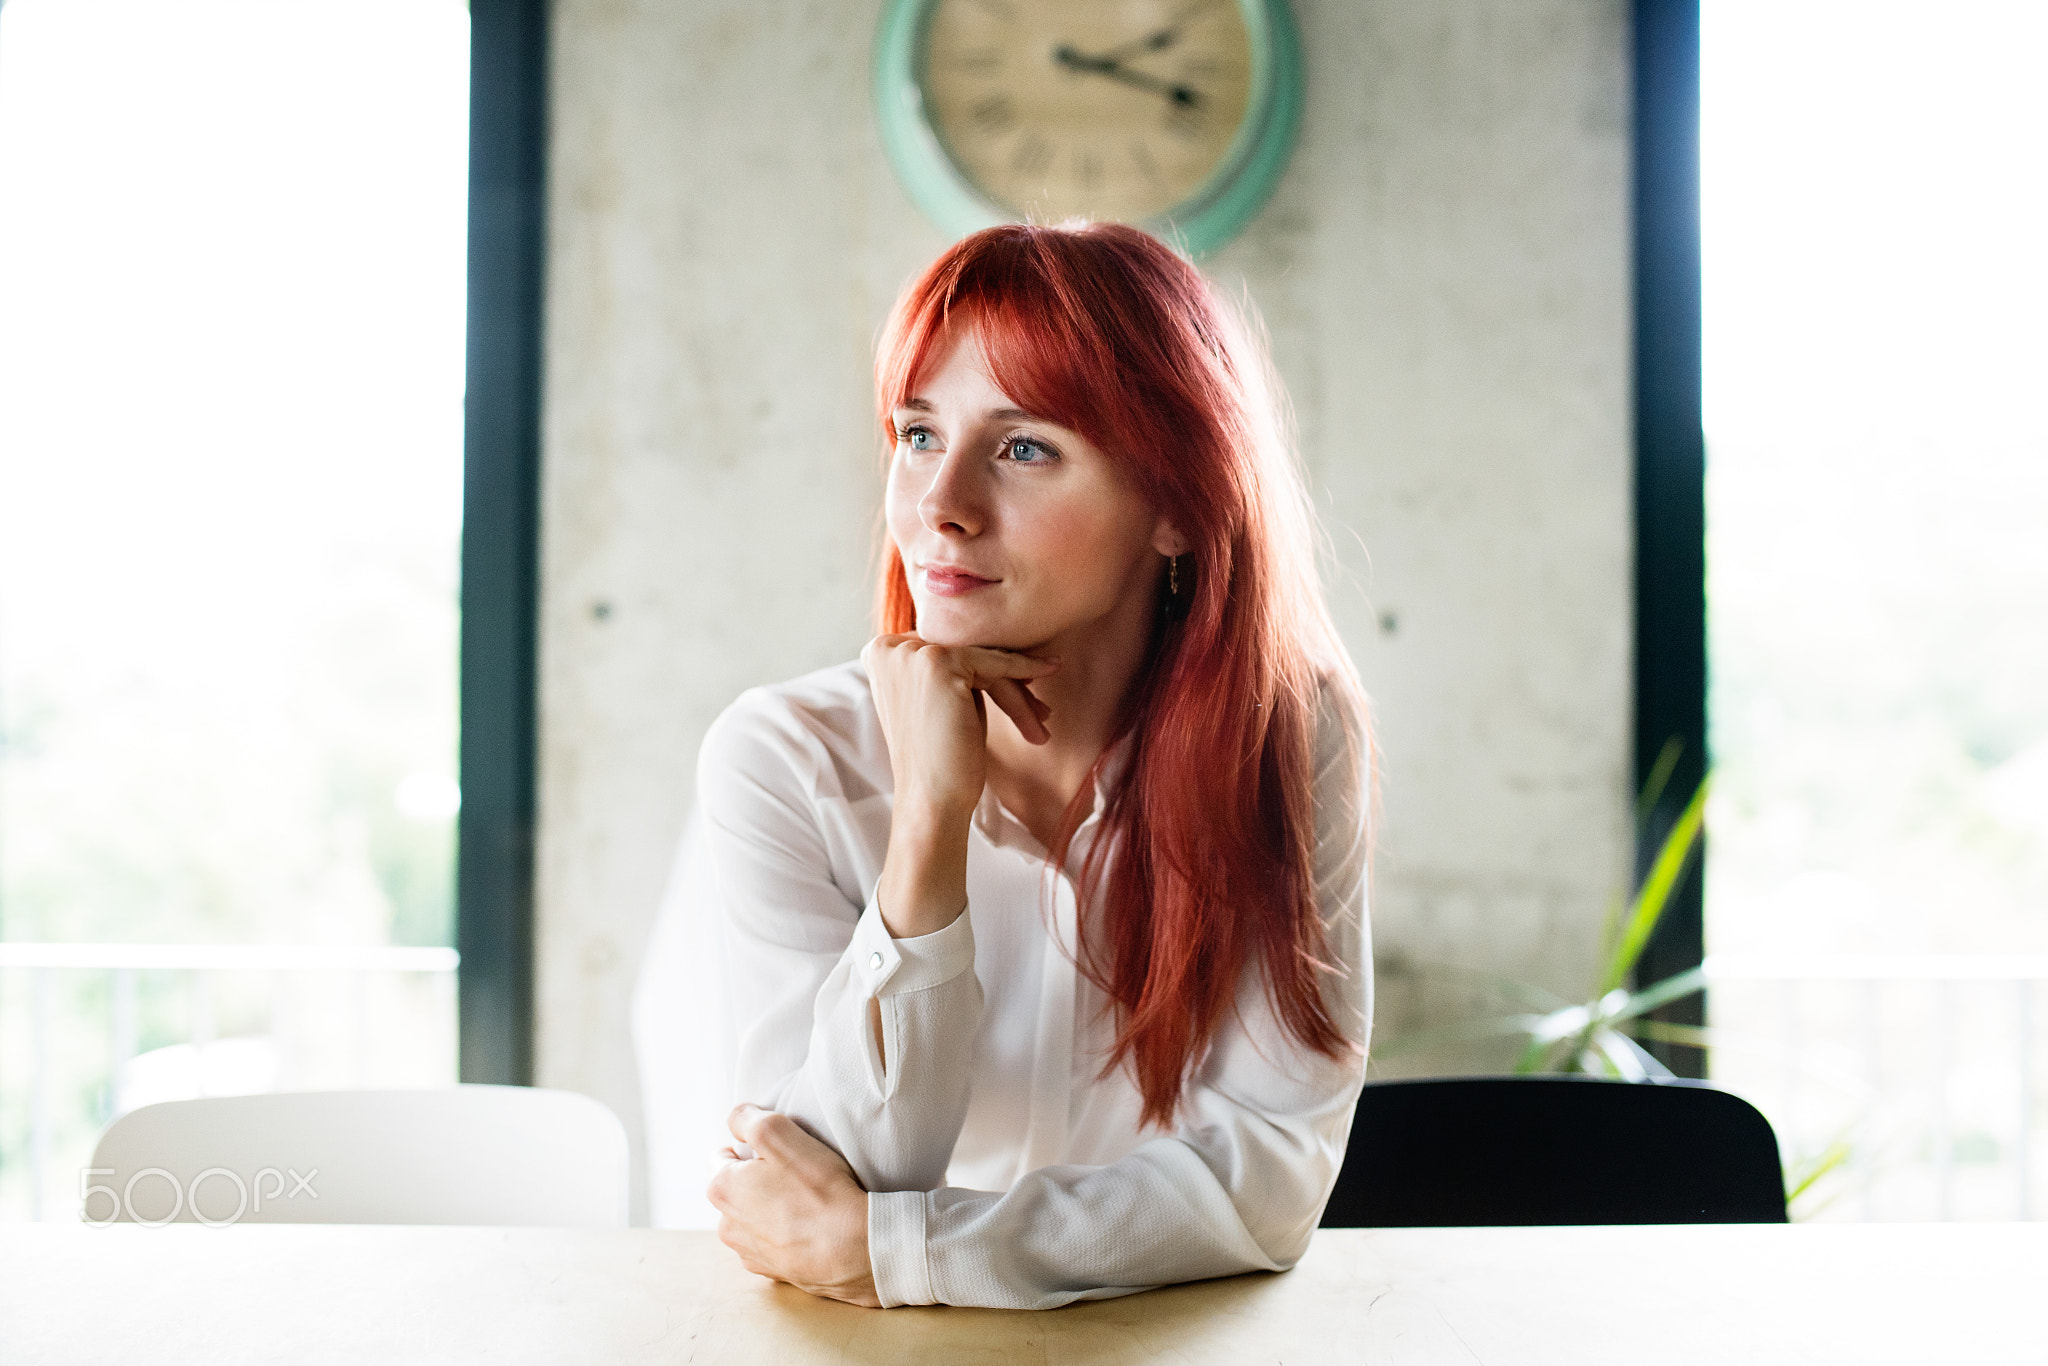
(1874,213)
(231,367)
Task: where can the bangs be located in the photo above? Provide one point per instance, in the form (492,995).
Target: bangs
(1072,334)
(1036,358)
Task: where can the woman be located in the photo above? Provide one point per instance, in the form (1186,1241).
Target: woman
(1065,997)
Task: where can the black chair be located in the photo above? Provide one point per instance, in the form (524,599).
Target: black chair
(1473,1151)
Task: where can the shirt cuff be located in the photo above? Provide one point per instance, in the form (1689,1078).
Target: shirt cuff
(885,966)
(896,1247)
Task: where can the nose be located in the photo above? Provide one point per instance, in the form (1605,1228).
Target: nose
(953,504)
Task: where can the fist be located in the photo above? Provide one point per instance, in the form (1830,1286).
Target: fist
(930,698)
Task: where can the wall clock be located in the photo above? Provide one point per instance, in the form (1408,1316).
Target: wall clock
(1174,114)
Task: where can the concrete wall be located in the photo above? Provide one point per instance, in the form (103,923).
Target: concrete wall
(1444,273)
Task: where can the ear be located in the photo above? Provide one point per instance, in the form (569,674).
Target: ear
(1167,540)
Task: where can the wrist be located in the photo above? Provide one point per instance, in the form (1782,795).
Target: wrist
(924,876)
(858,1276)
(936,817)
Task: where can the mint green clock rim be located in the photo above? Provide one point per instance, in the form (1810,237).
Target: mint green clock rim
(1217,212)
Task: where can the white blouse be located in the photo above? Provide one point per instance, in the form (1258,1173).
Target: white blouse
(1003,1168)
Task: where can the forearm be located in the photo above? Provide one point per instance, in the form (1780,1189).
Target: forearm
(886,1076)
(1238,1187)
(1060,1234)
(924,876)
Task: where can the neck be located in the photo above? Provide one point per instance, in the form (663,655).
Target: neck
(1099,663)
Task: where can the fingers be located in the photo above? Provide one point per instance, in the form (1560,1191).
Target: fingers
(761,1133)
(976,663)
(768,1133)
(1002,675)
(718,1190)
(879,646)
(1005,676)
(733,1185)
(1021,707)
(987,664)
(764,1131)
(801,1219)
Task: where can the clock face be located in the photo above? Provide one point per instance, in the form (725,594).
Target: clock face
(1103,108)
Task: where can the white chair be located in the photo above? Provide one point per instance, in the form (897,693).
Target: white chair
(458,1155)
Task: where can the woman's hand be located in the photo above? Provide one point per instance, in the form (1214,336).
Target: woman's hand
(793,1211)
(930,699)
(934,719)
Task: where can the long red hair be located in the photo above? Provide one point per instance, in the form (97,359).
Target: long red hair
(1104,330)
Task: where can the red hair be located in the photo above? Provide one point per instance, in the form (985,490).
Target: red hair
(1106,331)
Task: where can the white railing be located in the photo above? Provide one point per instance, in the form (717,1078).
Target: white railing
(1898,1053)
(205,963)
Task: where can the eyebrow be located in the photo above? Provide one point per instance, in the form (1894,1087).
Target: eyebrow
(918,405)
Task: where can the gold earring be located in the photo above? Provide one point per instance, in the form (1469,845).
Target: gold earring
(1173,576)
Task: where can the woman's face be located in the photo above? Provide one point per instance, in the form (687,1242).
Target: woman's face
(1015,532)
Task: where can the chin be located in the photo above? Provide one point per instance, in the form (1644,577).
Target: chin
(956,634)
(946,624)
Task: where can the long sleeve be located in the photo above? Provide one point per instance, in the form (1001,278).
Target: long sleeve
(806,963)
(1238,1186)
(794,794)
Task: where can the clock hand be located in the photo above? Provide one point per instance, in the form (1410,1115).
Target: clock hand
(1185,96)
(1158,40)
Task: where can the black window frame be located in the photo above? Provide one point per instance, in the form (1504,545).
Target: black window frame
(1670,476)
(501,536)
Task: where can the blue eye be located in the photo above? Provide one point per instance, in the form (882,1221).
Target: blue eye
(1026,452)
(917,438)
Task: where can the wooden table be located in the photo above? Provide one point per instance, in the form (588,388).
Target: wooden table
(1730,1295)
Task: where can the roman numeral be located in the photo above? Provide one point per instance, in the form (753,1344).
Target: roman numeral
(1141,156)
(1032,156)
(994,116)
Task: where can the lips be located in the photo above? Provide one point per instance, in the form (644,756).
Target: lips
(951,581)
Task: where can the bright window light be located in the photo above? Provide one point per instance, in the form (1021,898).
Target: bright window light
(232,246)
(1874,212)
